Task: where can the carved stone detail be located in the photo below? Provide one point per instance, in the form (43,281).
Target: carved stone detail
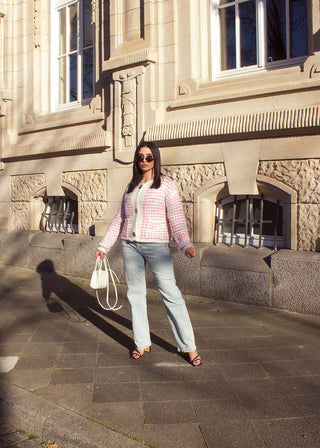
(93,11)
(248,123)
(36,23)
(128,104)
(315,70)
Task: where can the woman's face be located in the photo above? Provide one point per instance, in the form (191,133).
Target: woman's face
(143,163)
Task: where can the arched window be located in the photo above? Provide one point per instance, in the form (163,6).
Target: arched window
(267,219)
(250,220)
(60,214)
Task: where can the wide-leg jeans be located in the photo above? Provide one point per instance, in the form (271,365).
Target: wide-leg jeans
(157,256)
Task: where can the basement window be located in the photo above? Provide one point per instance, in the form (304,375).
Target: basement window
(250,220)
(60,214)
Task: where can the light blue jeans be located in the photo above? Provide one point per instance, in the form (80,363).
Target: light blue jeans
(157,256)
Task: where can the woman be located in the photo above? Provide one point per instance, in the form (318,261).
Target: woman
(150,212)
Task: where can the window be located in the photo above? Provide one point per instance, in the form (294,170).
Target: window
(60,214)
(250,220)
(72,53)
(256,33)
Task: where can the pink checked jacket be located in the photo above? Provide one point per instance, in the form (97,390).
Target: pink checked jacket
(149,215)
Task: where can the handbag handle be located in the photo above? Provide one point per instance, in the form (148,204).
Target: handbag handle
(112,277)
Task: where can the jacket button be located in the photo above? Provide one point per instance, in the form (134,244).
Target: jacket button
(136,210)
(133,233)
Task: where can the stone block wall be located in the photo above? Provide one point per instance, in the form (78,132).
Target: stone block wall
(285,279)
(302,176)
(22,190)
(90,187)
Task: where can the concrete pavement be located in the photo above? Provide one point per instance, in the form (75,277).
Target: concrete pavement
(71,381)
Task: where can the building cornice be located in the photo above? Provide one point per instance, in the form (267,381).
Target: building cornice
(253,123)
(88,143)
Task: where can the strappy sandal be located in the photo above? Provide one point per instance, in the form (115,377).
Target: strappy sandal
(194,361)
(135,354)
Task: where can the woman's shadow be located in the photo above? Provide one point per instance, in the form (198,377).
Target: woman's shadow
(73,298)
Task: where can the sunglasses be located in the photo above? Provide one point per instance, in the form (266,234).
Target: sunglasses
(140,158)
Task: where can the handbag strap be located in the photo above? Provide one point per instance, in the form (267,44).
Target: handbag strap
(104,263)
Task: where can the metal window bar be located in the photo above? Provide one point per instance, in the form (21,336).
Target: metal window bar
(249,222)
(56,216)
(218,219)
(276,226)
(261,220)
(233,223)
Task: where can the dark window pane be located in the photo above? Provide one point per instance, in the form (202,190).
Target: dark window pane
(227,217)
(269,214)
(73,17)
(298,28)
(88,73)
(276,30)
(248,39)
(73,78)
(241,210)
(228,38)
(87,23)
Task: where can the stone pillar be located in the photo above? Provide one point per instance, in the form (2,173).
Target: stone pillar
(128,95)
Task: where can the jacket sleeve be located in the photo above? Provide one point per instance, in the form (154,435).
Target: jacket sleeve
(114,230)
(176,217)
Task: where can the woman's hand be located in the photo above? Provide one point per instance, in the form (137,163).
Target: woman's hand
(99,254)
(190,252)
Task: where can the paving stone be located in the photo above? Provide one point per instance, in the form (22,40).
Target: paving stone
(284,368)
(124,392)
(71,396)
(72,376)
(255,387)
(244,370)
(219,409)
(122,416)
(169,412)
(30,379)
(106,375)
(206,390)
(183,435)
(259,385)
(233,433)
(294,432)
(307,404)
(77,361)
(36,362)
(298,385)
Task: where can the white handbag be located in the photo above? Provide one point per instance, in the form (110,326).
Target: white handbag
(104,277)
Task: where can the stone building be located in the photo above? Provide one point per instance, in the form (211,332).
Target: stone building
(228,89)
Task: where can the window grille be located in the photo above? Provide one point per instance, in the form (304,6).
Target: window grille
(59,215)
(250,220)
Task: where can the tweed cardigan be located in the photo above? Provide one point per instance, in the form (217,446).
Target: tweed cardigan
(158,215)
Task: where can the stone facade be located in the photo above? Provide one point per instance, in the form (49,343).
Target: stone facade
(302,176)
(221,135)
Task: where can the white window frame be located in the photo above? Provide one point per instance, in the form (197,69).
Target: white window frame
(252,239)
(262,63)
(57,5)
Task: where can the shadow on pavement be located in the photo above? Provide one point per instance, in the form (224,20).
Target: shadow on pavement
(86,306)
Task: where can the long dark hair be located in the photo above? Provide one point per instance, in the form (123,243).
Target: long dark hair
(137,173)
